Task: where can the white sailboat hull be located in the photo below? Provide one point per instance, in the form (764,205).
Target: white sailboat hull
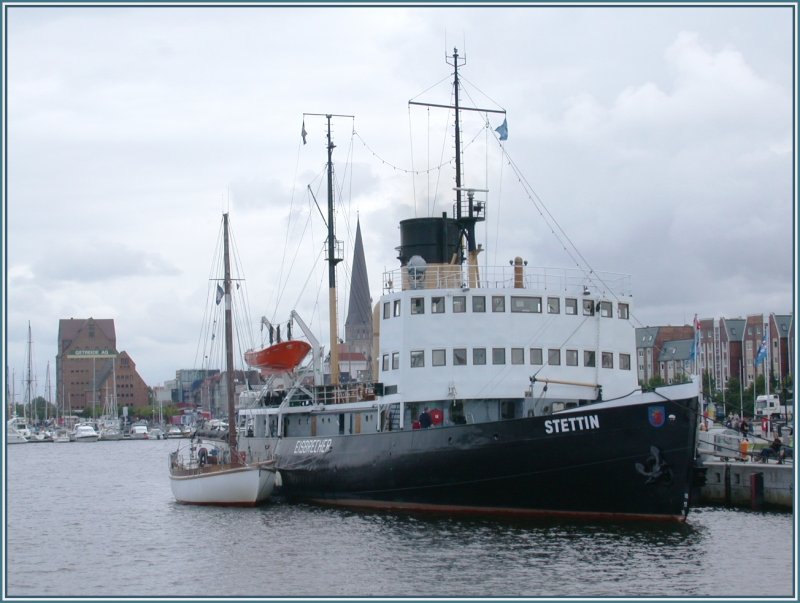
(235,485)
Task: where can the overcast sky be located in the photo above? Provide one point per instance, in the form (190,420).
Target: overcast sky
(659,138)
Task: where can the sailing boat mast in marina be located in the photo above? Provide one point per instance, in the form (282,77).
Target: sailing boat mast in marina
(28,407)
(230,389)
(212,472)
(47,388)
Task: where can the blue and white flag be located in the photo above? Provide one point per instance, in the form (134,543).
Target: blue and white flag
(696,339)
(502,130)
(762,351)
(220,293)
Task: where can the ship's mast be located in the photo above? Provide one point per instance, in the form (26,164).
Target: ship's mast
(334,254)
(458,129)
(332,261)
(467,213)
(229,344)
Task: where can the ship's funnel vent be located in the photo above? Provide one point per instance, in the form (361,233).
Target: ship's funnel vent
(435,240)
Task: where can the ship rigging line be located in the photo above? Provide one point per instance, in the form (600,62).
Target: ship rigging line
(572,250)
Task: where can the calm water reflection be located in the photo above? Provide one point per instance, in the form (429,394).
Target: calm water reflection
(99,520)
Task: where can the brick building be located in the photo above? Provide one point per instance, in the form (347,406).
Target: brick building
(781,344)
(729,348)
(89,368)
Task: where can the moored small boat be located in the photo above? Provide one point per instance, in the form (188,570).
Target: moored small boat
(16,431)
(139,432)
(85,433)
(204,474)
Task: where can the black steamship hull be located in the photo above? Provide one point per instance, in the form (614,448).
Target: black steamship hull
(631,462)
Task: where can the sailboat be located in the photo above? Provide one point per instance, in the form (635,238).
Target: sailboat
(212,471)
(110,429)
(499,390)
(17,430)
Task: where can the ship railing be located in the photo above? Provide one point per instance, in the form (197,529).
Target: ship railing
(569,281)
(294,383)
(357,391)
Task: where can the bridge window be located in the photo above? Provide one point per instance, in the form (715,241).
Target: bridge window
(622,311)
(589,358)
(571,306)
(395,360)
(459,303)
(625,362)
(437,305)
(553,357)
(397,307)
(572,358)
(459,356)
(387,310)
(605,309)
(536,356)
(478,303)
(498,303)
(418,305)
(417,358)
(385,362)
(553,305)
(517,355)
(498,355)
(479,356)
(526,304)
(438,358)
(608,360)
(588,307)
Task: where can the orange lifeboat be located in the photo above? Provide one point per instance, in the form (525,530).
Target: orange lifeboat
(281,357)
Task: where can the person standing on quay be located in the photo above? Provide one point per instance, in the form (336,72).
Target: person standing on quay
(744,446)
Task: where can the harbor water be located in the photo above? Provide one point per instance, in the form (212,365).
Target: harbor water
(98,520)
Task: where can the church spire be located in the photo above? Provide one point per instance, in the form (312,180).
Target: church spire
(358,326)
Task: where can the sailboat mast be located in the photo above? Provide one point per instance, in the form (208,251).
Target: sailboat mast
(47,383)
(229,344)
(332,261)
(28,401)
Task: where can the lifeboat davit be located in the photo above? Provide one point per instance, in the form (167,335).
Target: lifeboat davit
(280,357)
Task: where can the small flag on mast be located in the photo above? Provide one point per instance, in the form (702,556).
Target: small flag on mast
(303,132)
(502,130)
(220,294)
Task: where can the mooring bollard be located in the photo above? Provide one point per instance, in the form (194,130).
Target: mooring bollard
(757,491)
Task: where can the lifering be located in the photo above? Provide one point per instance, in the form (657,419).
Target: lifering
(202,456)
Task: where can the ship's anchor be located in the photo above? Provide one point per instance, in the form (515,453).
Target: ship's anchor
(654,468)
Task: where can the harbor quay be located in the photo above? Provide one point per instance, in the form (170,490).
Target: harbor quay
(751,485)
